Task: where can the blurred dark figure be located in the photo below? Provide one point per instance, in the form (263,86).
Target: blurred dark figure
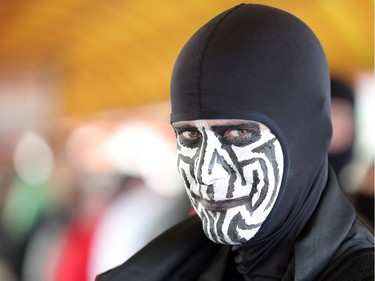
(343,123)
(342,146)
(364,198)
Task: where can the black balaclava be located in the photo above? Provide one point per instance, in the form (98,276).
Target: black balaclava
(259,63)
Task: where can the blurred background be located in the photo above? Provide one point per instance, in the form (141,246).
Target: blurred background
(87,156)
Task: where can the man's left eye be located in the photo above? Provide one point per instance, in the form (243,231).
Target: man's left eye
(189,135)
(236,133)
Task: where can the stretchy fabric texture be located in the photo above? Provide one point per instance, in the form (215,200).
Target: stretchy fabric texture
(259,63)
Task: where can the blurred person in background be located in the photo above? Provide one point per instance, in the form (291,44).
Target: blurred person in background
(364,197)
(8,265)
(250,96)
(111,208)
(341,150)
(84,184)
(27,201)
(343,125)
(134,217)
(151,199)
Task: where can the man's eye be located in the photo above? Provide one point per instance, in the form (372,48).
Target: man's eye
(190,135)
(237,133)
(240,137)
(189,138)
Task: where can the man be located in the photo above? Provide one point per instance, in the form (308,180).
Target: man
(250,107)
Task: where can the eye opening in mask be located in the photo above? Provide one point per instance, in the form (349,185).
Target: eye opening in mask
(240,135)
(230,132)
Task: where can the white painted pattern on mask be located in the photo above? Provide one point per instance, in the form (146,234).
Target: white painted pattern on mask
(232,183)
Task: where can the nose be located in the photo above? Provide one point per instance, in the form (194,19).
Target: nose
(211,165)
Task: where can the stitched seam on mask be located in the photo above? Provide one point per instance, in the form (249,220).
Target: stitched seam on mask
(200,60)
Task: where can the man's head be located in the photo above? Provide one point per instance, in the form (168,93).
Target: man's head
(264,68)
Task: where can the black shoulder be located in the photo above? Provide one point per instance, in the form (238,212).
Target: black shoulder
(358,266)
(182,250)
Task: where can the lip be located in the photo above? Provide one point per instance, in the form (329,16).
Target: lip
(221,205)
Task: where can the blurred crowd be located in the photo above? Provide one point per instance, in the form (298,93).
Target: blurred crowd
(80,196)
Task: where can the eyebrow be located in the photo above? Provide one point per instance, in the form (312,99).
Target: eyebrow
(225,124)
(243,125)
(184,127)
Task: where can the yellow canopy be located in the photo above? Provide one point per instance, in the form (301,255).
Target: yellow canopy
(119,53)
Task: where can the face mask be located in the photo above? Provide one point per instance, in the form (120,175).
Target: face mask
(232,171)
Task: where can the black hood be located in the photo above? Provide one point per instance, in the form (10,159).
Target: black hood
(260,63)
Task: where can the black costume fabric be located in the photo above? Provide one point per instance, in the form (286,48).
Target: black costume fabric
(331,247)
(259,63)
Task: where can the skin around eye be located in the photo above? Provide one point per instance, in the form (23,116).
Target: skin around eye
(237,133)
(240,137)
